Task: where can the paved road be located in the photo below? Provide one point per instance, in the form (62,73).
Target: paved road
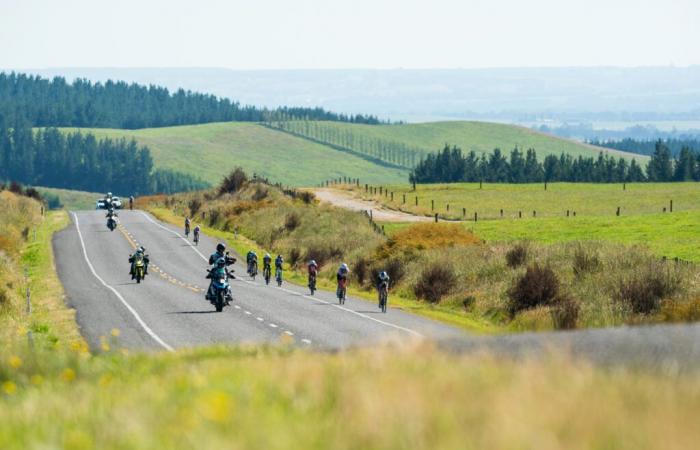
(168,309)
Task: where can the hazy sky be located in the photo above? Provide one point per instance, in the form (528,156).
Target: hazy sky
(270,34)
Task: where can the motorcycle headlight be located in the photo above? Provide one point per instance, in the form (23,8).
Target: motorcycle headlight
(222,280)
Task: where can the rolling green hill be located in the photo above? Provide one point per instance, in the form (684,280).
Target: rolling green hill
(210,151)
(482,137)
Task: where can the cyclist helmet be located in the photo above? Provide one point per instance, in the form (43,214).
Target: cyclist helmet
(383,276)
(221,263)
(267,256)
(343,267)
(220,247)
(109,194)
(313,262)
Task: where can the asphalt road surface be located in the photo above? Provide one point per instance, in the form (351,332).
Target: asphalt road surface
(168,310)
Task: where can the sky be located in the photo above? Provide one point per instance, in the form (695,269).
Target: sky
(369,34)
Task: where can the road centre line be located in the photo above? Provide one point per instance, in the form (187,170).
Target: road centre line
(119,296)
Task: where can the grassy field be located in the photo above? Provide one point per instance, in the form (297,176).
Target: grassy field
(482,137)
(641,220)
(75,200)
(390,398)
(211,151)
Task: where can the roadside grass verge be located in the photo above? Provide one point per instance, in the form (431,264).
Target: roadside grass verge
(28,246)
(385,397)
(75,200)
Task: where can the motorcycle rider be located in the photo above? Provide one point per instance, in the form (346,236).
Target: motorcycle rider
(214,259)
(140,251)
(111,215)
(383,278)
(108,200)
(218,271)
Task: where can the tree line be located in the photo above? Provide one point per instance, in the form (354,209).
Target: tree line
(648,146)
(450,166)
(117,104)
(345,138)
(47,157)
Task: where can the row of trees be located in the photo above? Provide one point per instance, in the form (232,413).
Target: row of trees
(648,147)
(121,105)
(451,165)
(47,157)
(345,138)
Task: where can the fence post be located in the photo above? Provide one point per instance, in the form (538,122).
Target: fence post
(567,213)
(380,190)
(617,213)
(448,207)
(574,213)
(545,185)
(371,218)
(404,199)
(436,217)
(392,196)
(534,213)
(501,214)
(366,187)
(520,214)
(464,212)
(432,205)
(475,216)
(416,200)
(624,186)
(664,209)
(670,209)
(481,183)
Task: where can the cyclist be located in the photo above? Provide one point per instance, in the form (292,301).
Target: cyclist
(267,267)
(313,271)
(342,278)
(251,258)
(187,226)
(278,268)
(382,283)
(196,234)
(131,202)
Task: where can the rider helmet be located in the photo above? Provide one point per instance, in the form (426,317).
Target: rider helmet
(220,247)
(313,262)
(343,267)
(383,276)
(109,194)
(267,256)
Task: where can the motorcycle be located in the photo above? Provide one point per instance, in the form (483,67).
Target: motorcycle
(312,283)
(342,290)
(383,296)
(111,223)
(139,267)
(220,295)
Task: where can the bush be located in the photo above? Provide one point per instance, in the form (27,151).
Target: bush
(565,313)
(307,197)
(294,256)
(436,281)
(194,205)
(645,289)
(516,256)
(233,182)
(539,286)
(361,270)
(53,201)
(260,193)
(292,221)
(584,262)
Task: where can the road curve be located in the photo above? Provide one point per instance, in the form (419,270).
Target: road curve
(168,311)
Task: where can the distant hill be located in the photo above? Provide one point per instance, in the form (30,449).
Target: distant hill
(210,151)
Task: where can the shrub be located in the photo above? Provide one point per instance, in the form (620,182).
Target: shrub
(584,262)
(260,193)
(565,312)
(233,182)
(214,215)
(294,256)
(516,256)
(436,281)
(423,236)
(539,286)
(307,197)
(644,290)
(361,270)
(194,205)
(4,298)
(292,221)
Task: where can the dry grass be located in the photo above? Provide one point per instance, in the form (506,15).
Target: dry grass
(387,397)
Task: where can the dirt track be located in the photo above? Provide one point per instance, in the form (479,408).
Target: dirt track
(346,200)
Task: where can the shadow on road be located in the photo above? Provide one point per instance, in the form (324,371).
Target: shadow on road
(209,311)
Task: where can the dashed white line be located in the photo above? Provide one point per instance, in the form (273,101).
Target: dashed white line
(260,319)
(236,306)
(247,312)
(289,332)
(273,325)
(306,341)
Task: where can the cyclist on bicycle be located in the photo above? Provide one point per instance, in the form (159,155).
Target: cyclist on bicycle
(382,282)
(187,226)
(267,261)
(251,258)
(313,268)
(196,233)
(342,275)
